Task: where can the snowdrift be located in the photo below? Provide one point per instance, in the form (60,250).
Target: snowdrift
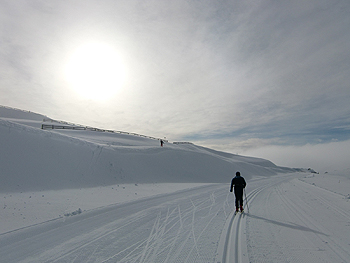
(32,159)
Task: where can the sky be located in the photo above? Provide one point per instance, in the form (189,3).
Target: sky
(261,78)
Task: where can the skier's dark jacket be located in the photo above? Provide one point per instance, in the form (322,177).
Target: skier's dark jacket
(238,182)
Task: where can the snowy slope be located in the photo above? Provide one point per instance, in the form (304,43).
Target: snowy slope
(35,159)
(290,219)
(93,169)
(87,196)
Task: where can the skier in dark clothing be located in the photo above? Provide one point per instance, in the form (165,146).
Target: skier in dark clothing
(239,184)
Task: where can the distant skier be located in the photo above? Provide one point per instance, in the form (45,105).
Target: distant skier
(239,184)
(161,142)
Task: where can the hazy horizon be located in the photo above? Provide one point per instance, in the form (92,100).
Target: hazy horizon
(268,79)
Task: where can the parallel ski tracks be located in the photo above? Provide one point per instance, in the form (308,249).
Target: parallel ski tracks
(333,244)
(175,227)
(232,245)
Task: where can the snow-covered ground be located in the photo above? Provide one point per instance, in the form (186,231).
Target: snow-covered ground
(88,196)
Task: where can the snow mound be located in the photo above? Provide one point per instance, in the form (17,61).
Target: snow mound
(32,159)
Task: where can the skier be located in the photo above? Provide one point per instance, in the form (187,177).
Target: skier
(239,184)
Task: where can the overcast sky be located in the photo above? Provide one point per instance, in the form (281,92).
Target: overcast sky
(264,78)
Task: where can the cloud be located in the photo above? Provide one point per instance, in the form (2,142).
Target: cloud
(331,157)
(238,73)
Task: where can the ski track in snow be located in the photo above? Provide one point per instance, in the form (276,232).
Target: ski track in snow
(179,228)
(296,222)
(288,220)
(232,244)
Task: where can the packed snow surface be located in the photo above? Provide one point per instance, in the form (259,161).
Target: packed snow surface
(88,195)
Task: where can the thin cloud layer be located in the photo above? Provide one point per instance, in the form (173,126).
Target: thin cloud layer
(328,157)
(220,73)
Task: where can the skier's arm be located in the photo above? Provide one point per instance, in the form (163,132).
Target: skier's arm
(244,183)
(231,185)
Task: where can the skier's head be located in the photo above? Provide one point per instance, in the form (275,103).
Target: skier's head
(238,174)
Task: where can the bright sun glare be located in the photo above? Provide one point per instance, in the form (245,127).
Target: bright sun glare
(95,71)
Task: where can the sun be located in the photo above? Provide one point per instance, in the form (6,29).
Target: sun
(95,71)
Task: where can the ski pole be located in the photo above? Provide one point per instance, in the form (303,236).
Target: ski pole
(246,200)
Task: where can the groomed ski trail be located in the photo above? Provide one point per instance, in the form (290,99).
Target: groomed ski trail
(233,241)
(179,227)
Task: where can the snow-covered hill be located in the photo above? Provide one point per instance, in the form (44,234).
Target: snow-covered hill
(36,159)
(97,168)
(100,196)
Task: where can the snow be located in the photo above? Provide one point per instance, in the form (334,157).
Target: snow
(92,196)
(311,224)
(23,209)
